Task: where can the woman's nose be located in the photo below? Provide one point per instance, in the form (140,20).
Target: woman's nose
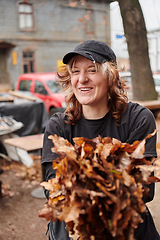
(83,78)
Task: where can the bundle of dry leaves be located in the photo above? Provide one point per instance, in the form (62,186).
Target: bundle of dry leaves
(98,187)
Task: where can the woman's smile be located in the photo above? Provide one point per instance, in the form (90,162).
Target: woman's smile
(85,89)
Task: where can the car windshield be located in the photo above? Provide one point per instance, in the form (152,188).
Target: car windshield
(54,86)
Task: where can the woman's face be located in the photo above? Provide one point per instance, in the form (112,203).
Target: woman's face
(89,85)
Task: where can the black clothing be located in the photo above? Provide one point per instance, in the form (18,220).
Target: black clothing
(136,123)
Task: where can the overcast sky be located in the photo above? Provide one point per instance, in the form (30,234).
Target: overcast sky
(151,12)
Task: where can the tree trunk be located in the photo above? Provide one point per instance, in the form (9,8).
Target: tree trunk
(136,37)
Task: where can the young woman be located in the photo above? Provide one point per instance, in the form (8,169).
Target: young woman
(97,105)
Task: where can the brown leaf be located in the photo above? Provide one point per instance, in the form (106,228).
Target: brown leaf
(98,187)
(46,213)
(73,4)
(47,185)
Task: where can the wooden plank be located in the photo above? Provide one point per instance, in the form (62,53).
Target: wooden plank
(20,95)
(28,143)
(6,99)
(152,105)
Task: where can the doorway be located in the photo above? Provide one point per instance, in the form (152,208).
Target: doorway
(4,78)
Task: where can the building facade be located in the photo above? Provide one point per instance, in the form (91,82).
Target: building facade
(35,34)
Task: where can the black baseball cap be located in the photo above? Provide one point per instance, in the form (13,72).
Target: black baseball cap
(95,51)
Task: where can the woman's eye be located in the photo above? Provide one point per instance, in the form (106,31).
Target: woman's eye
(92,70)
(75,71)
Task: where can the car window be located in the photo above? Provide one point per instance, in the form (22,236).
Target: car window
(54,86)
(25,85)
(39,88)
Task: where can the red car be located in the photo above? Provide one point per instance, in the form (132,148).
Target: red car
(45,87)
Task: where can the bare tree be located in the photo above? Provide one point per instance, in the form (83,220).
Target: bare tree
(136,37)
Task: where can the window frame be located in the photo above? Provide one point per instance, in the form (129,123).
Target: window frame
(26,29)
(27,61)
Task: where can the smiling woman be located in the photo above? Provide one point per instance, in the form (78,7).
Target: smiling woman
(97,105)
(101,65)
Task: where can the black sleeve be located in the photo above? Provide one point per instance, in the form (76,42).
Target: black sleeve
(142,123)
(54,126)
(50,173)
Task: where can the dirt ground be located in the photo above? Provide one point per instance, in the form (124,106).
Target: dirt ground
(19,209)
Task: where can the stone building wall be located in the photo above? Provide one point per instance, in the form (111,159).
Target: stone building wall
(59,25)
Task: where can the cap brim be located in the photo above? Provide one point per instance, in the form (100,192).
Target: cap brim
(70,55)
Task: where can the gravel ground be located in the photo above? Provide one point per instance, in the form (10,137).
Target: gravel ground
(18,208)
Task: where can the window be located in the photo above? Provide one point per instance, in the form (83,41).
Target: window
(26,16)
(25,85)
(39,88)
(28,62)
(89,16)
(54,86)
